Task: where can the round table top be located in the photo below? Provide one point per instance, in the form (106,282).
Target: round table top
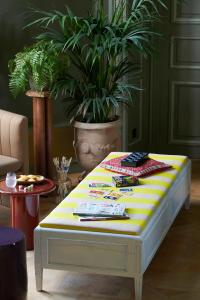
(10,236)
(42,188)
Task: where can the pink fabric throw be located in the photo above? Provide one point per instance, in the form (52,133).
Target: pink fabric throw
(150,166)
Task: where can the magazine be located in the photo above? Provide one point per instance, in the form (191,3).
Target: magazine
(103,209)
(95,218)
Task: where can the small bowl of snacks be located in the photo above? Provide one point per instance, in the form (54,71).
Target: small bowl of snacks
(29,179)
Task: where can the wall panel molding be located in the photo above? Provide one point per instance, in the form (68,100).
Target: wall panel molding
(174,139)
(185,52)
(184,12)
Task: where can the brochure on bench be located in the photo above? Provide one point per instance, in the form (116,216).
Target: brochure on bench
(103,209)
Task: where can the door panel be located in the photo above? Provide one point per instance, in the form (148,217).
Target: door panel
(138,113)
(175,82)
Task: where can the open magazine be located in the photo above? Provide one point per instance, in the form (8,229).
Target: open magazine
(98,209)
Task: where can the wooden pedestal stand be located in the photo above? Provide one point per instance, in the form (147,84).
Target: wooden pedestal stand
(42,132)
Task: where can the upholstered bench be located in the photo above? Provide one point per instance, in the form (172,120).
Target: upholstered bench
(117,247)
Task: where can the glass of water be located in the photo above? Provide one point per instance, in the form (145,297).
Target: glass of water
(11,180)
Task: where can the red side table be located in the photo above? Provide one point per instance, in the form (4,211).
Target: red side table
(25,207)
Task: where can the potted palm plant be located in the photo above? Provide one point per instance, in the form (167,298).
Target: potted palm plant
(99,49)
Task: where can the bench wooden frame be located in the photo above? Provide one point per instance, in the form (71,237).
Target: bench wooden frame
(111,254)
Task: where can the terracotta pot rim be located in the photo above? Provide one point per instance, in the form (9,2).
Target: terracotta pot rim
(110,124)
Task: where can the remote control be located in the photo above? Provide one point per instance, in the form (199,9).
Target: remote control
(134,159)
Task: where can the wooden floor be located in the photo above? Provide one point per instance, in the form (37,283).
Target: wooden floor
(173,274)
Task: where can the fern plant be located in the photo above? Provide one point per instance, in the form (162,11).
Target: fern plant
(100,52)
(38,66)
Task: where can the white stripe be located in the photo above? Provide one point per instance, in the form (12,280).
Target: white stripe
(138,216)
(128,205)
(152,186)
(139,205)
(67,210)
(145,196)
(133,194)
(158,177)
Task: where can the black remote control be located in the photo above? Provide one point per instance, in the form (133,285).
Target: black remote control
(135,159)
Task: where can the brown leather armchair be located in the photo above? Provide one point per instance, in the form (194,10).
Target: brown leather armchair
(13,143)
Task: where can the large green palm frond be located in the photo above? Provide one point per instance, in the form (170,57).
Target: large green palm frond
(96,46)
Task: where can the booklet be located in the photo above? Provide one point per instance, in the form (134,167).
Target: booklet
(103,209)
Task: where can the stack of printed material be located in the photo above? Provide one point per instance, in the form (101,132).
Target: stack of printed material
(95,211)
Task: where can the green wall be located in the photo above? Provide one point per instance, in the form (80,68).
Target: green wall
(13,16)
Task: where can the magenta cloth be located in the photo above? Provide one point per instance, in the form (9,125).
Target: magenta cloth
(150,166)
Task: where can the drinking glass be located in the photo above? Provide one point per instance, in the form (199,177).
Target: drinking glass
(11,180)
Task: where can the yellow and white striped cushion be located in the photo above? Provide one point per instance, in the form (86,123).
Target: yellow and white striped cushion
(140,205)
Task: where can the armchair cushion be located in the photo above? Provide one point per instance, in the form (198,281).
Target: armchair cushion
(9,164)
(13,146)
(14,140)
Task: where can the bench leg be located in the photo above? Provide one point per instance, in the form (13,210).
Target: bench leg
(138,287)
(37,260)
(38,278)
(187,202)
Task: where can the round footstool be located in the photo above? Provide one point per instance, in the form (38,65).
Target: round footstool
(13,271)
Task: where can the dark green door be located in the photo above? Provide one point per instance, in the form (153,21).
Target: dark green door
(175,83)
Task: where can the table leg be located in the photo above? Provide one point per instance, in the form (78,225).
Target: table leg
(25,215)
(39,135)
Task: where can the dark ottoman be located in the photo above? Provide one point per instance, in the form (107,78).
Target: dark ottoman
(13,271)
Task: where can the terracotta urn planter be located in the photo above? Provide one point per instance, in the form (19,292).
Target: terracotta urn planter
(94,141)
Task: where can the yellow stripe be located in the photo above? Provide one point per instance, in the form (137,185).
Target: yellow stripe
(168,157)
(62,215)
(68,204)
(115,155)
(82,195)
(90,229)
(100,177)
